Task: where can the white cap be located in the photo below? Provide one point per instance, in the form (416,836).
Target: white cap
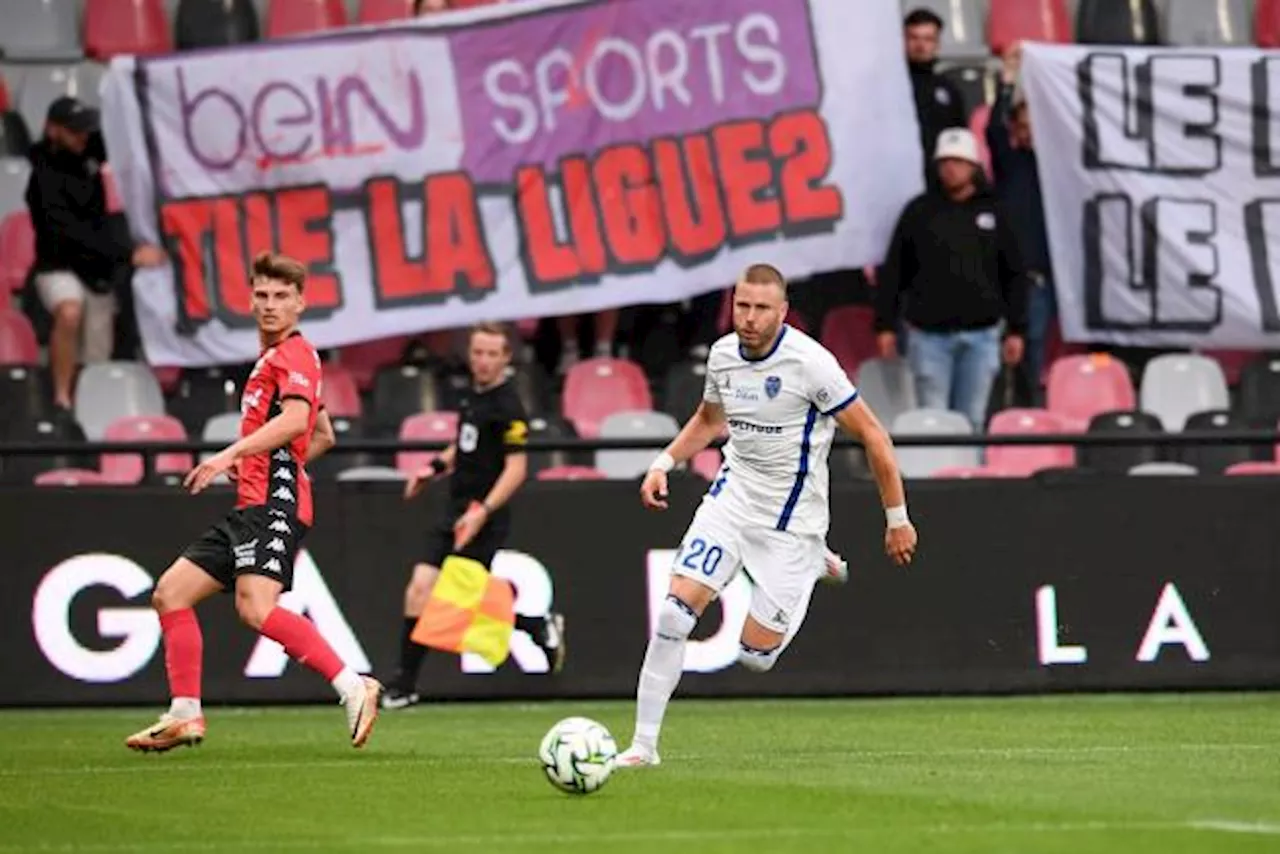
(957,144)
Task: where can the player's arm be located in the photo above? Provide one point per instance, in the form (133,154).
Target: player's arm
(279,431)
(698,432)
(323,437)
(860,422)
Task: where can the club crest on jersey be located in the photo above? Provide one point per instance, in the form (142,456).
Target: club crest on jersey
(772,385)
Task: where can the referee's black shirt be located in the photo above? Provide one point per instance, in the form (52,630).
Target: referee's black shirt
(491,424)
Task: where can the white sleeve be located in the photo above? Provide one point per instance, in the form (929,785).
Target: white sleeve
(829,388)
(710,393)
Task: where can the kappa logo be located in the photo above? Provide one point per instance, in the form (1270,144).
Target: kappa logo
(273,565)
(276,545)
(282,455)
(283,474)
(280,527)
(283,493)
(824,396)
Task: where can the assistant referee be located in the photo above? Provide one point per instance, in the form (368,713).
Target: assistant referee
(488,464)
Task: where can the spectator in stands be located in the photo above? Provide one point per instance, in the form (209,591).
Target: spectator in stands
(939,103)
(80,251)
(1013,161)
(953,274)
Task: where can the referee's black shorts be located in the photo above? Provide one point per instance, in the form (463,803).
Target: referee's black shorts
(483,546)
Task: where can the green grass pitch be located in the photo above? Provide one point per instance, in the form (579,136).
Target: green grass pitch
(1125,774)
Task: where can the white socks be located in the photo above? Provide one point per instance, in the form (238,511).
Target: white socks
(185,708)
(347,683)
(660,673)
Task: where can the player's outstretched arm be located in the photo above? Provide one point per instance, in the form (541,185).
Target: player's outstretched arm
(698,432)
(323,437)
(279,431)
(860,422)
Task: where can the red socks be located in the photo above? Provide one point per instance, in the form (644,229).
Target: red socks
(183,652)
(302,641)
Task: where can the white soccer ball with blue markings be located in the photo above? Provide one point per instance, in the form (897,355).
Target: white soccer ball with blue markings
(577,755)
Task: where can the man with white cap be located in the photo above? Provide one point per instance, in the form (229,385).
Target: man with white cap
(954,275)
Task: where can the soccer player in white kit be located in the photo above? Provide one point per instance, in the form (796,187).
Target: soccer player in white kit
(782,395)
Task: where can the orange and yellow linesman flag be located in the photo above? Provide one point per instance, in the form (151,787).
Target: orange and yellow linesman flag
(469,611)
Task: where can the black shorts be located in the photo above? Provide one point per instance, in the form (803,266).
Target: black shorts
(249,541)
(482,547)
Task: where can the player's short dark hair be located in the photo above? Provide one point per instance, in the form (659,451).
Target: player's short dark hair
(270,265)
(492,329)
(916,17)
(765,274)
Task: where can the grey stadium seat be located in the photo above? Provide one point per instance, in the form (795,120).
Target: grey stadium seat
(1178,385)
(42,84)
(1117,22)
(364,474)
(223,429)
(626,465)
(1208,22)
(111,390)
(886,385)
(14,172)
(925,461)
(40,29)
(964,32)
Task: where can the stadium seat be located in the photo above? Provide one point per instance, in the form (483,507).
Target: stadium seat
(706,463)
(1012,21)
(15,137)
(1255,467)
(212,23)
(398,393)
(338,392)
(969,473)
(551,428)
(382,11)
(1260,390)
(1026,460)
(329,466)
(1118,459)
(975,82)
(596,388)
(887,386)
(425,427)
(1266,23)
(45,431)
(921,461)
(25,396)
(203,393)
(14,172)
(682,390)
(364,360)
(116,27)
(1232,362)
(1207,22)
(111,390)
(1111,23)
(18,345)
(5,96)
(130,468)
(848,331)
(221,430)
(42,30)
(1082,386)
(1163,469)
(1177,385)
(299,17)
(964,32)
(571,473)
(1212,459)
(371,474)
(628,465)
(71,477)
(168,376)
(17,251)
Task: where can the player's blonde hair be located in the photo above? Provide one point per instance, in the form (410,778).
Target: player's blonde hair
(492,329)
(764,274)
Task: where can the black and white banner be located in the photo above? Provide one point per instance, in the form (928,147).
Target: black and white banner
(1161,178)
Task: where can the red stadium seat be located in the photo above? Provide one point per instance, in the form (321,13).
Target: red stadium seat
(70,477)
(1254,467)
(1081,387)
(129,468)
(17,251)
(168,376)
(113,27)
(339,393)
(425,427)
(848,331)
(5,102)
(969,473)
(1232,362)
(1026,460)
(571,473)
(796,320)
(706,463)
(1266,23)
(527,328)
(1012,21)
(299,17)
(365,359)
(18,345)
(382,11)
(597,388)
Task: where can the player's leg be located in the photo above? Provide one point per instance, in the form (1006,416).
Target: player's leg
(707,560)
(782,568)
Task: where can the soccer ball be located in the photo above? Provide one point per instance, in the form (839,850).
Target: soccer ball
(577,755)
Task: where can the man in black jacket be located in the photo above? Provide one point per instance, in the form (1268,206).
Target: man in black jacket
(79,251)
(954,275)
(939,103)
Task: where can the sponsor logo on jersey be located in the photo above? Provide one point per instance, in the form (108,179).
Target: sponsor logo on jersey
(772,385)
(748,394)
(245,553)
(250,400)
(762,429)
(299,379)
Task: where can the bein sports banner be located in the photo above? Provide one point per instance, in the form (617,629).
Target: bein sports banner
(553,158)
(1161,179)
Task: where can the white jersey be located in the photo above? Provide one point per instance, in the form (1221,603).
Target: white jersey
(779,409)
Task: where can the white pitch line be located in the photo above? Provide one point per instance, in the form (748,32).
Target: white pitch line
(1261,828)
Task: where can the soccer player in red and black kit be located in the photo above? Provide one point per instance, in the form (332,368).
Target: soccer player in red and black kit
(488,464)
(252,550)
